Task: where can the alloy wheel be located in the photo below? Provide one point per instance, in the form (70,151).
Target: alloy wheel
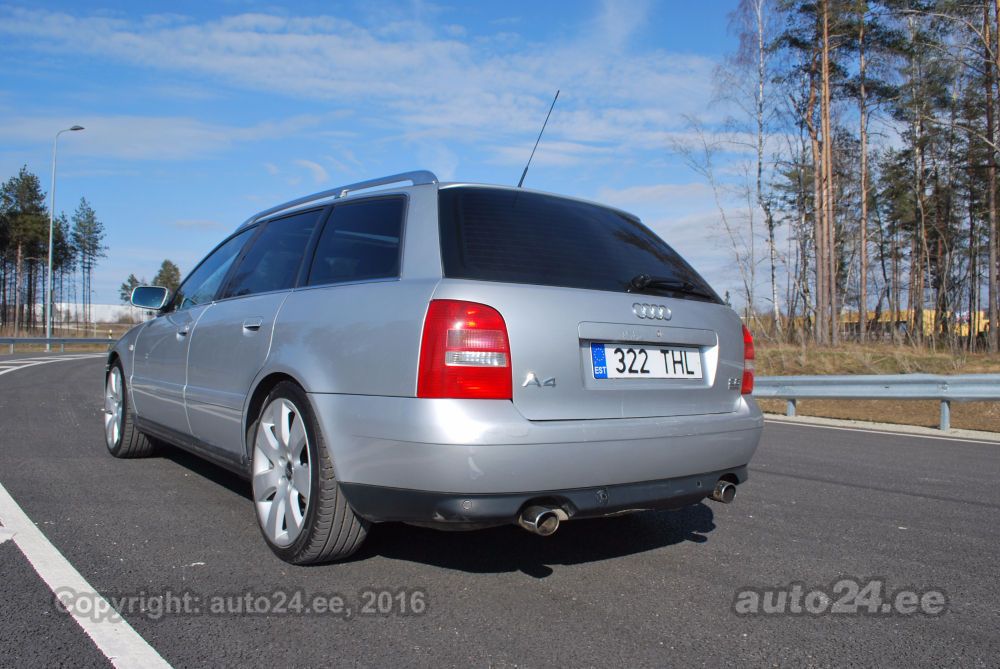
(282,471)
(113,406)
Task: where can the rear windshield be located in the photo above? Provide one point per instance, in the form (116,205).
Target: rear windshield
(492,234)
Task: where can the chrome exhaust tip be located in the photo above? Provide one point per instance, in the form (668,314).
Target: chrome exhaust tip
(540,520)
(724,492)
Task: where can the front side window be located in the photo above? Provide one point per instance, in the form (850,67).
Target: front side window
(360,242)
(273,260)
(203,283)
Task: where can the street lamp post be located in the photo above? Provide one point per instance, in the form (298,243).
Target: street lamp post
(52,214)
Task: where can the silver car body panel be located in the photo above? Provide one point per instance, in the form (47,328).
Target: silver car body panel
(487,446)
(370,347)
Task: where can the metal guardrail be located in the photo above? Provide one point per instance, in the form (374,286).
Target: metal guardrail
(945,389)
(61,342)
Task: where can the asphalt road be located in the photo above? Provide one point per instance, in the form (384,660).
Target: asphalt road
(650,589)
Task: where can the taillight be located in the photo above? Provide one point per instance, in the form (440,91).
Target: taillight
(464,352)
(746,388)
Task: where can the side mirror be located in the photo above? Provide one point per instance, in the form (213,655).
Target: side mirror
(149,297)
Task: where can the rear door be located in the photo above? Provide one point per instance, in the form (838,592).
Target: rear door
(585,341)
(159,372)
(233,338)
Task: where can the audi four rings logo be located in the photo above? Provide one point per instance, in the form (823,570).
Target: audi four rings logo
(657,311)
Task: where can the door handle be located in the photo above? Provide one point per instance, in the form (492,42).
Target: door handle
(183,332)
(252,324)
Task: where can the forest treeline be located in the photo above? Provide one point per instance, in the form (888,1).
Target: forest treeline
(866,144)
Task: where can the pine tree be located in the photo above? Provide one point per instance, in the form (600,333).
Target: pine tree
(63,258)
(88,242)
(22,208)
(125,291)
(875,45)
(169,276)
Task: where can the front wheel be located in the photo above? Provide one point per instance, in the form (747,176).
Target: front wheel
(120,435)
(301,511)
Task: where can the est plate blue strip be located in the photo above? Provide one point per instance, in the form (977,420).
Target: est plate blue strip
(600,363)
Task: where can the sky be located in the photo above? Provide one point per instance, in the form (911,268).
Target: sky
(198,118)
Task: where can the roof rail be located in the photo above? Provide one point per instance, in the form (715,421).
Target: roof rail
(417,178)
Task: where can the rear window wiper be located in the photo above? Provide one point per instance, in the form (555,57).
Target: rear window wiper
(641,282)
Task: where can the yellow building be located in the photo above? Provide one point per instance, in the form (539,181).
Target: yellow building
(887,321)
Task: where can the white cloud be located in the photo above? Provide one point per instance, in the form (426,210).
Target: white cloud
(617,21)
(148,137)
(346,162)
(182,92)
(439,159)
(318,172)
(657,195)
(552,153)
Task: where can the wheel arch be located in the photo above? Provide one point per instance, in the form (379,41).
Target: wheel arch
(113,357)
(255,401)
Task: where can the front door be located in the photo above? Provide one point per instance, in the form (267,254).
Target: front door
(159,369)
(159,375)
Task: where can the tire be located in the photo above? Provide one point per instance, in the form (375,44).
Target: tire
(301,511)
(120,435)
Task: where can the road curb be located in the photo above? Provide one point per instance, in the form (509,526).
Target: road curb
(894,428)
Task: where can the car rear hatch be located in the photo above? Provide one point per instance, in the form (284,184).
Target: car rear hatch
(587,340)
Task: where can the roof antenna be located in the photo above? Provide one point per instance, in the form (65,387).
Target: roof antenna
(525,172)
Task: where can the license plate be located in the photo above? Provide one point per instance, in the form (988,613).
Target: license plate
(628,361)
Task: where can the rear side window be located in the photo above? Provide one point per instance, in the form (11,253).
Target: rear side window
(491,234)
(360,241)
(274,257)
(202,284)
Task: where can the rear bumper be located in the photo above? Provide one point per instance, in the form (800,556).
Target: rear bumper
(378,503)
(485,447)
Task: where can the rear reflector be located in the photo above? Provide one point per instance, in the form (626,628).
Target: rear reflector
(746,388)
(464,352)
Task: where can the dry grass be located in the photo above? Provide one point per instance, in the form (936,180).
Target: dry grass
(789,360)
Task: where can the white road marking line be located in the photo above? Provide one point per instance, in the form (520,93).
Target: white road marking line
(888,432)
(50,358)
(54,354)
(114,637)
(31,362)
(5,534)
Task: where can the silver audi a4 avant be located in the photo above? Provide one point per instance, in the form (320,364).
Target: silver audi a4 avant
(450,355)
